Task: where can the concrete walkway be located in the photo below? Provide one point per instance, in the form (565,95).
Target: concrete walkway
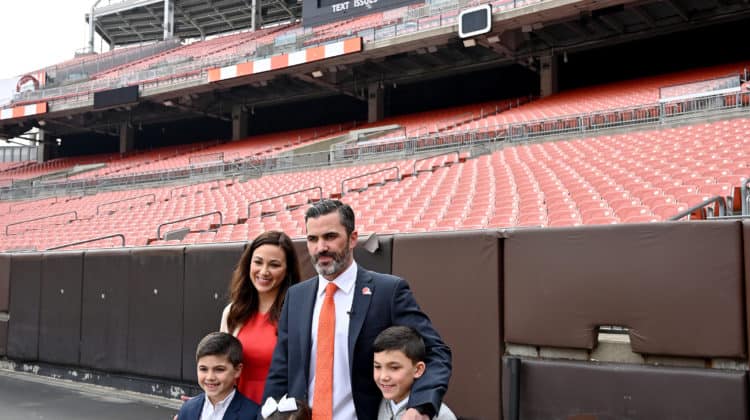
(28,396)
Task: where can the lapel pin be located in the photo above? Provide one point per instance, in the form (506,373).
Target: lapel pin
(366,291)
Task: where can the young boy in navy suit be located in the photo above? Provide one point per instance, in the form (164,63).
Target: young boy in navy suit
(219,359)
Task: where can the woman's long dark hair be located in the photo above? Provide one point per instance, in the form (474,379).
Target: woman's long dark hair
(242,293)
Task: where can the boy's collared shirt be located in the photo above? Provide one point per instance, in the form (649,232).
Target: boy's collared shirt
(216,412)
(397,407)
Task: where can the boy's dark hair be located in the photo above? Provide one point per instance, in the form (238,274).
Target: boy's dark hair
(220,344)
(405,339)
(323,207)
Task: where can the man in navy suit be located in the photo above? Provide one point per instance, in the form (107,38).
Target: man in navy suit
(366,303)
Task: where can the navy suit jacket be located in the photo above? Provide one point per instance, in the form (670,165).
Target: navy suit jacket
(390,302)
(240,408)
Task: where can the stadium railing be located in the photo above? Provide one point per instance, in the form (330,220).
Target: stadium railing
(483,140)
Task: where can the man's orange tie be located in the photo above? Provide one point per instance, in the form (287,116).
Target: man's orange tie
(323,393)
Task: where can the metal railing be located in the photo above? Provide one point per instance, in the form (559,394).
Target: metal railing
(116,235)
(414,171)
(318,188)
(171,222)
(75,213)
(745,197)
(126,199)
(721,201)
(351,178)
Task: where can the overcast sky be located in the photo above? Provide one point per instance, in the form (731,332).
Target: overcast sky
(38,33)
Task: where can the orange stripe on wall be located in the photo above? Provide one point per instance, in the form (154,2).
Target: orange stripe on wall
(41,107)
(17,112)
(279,61)
(352,45)
(214,75)
(244,69)
(315,53)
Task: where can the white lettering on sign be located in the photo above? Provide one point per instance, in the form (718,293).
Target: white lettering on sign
(366,3)
(340,7)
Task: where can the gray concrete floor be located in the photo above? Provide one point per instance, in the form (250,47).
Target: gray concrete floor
(27,396)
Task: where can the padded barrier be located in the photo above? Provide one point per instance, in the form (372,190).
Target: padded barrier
(60,308)
(3,337)
(104,309)
(4,282)
(677,286)
(380,260)
(456,280)
(23,327)
(746,242)
(156,312)
(590,391)
(306,269)
(208,271)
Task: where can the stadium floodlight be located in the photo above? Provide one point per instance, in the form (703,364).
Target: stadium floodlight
(317,73)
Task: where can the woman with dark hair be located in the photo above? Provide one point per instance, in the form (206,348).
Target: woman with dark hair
(264,273)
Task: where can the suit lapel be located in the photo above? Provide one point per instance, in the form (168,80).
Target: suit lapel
(363,290)
(306,314)
(198,407)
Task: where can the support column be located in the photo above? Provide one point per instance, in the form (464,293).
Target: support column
(46,149)
(240,122)
(375,102)
(168,19)
(127,138)
(548,75)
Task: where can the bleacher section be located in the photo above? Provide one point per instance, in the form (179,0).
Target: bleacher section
(636,177)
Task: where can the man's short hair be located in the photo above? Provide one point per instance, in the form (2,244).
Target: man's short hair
(401,338)
(220,344)
(323,207)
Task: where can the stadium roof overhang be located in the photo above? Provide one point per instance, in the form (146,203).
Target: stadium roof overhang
(136,21)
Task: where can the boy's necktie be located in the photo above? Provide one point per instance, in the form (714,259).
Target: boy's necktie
(323,392)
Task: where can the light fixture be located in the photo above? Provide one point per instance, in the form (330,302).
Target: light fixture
(42,123)
(168,103)
(432,49)
(317,73)
(494,39)
(471,42)
(565,56)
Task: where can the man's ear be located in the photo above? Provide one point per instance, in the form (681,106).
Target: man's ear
(419,370)
(353,239)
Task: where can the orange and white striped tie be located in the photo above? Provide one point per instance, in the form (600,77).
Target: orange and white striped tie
(323,392)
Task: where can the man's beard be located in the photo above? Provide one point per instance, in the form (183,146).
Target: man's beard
(337,265)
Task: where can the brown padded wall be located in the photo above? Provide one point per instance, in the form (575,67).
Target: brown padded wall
(589,391)
(677,286)
(746,242)
(155,312)
(3,338)
(60,308)
(4,282)
(208,271)
(104,309)
(380,260)
(456,280)
(306,269)
(23,327)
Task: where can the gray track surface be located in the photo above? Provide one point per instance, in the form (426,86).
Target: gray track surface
(23,396)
